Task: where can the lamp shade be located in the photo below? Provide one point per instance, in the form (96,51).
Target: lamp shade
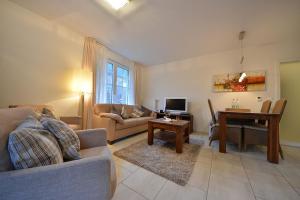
(83,81)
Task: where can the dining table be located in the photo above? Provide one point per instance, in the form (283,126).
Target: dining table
(273,129)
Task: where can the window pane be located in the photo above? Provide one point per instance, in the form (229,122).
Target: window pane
(122,85)
(109,82)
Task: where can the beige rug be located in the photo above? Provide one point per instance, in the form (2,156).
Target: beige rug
(161,159)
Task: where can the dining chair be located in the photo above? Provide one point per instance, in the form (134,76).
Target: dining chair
(265,108)
(234,132)
(258,134)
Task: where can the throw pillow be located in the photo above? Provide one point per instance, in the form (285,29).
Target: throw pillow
(136,113)
(30,122)
(66,137)
(33,148)
(48,113)
(113,116)
(124,113)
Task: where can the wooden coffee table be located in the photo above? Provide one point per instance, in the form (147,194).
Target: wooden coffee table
(179,127)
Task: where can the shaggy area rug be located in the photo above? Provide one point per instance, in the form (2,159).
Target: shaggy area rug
(161,159)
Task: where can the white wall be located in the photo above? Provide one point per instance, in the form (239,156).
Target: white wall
(192,78)
(37,60)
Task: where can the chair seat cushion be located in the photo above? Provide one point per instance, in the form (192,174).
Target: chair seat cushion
(257,128)
(132,122)
(227,125)
(33,148)
(66,137)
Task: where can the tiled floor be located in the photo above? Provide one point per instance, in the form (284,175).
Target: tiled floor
(216,176)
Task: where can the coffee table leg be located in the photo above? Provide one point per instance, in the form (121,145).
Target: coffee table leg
(150,135)
(179,140)
(187,134)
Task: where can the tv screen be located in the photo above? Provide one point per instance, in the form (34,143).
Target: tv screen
(175,104)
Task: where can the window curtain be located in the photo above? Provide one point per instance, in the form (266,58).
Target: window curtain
(133,89)
(100,88)
(89,64)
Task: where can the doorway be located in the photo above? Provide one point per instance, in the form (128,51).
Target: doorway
(290,90)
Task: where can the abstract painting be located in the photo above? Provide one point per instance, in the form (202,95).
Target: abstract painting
(231,82)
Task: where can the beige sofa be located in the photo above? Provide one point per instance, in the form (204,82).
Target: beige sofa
(116,130)
(92,177)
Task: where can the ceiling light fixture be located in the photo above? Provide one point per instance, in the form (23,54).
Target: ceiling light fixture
(117,4)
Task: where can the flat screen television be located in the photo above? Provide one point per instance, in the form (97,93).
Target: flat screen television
(175,104)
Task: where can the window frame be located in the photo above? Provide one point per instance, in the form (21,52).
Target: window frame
(117,65)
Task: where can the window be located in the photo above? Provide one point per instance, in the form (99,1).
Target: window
(117,83)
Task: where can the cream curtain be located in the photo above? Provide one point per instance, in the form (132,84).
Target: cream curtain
(134,71)
(100,89)
(89,61)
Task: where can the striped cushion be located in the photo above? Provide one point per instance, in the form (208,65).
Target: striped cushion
(67,138)
(33,148)
(30,122)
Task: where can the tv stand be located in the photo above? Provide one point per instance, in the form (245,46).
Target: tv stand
(179,116)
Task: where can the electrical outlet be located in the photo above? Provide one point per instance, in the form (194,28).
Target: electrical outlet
(259,99)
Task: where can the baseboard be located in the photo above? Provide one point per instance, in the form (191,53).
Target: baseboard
(289,143)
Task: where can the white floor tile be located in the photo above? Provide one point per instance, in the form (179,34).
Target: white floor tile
(271,187)
(228,189)
(200,176)
(145,183)
(125,193)
(172,191)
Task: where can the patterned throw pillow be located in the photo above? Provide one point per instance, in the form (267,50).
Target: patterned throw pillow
(30,122)
(66,137)
(136,113)
(33,148)
(124,113)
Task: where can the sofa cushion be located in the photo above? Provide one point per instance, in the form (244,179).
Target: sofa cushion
(67,138)
(9,119)
(33,148)
(113,116)
(147,112)
(132,122)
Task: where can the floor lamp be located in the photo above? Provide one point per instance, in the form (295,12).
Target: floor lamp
(85,90)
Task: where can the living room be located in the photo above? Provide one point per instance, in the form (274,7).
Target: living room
(157,93)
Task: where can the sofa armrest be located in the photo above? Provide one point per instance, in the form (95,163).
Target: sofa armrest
(153,114)
(87,178)
(92,138)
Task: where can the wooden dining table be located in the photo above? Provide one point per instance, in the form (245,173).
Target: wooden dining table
(273,130)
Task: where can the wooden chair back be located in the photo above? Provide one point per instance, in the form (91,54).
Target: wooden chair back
(212,112)
(265,108)
(280,107)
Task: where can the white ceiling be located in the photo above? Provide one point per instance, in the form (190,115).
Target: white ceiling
(158,31)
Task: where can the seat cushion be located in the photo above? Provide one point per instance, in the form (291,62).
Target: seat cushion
(257,127)
(132,122)
(33,148)
(67,138)
(9,120)
(95,151)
